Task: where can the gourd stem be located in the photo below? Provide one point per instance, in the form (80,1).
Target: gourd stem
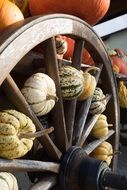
(91,68)
(110,125)
(49,97)
(106,97)
(114,153)
(36,134)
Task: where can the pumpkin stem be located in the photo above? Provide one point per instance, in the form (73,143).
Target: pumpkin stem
(36,134)
(92,68)
(49,97)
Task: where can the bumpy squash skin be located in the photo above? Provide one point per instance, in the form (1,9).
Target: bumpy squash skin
(71,82)
(40,92)
(12,124)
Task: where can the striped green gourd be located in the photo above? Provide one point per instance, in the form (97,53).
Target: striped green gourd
(98,103)
(71,82)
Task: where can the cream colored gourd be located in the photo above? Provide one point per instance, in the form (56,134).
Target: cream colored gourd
(103,152)
(100,128)
(12,125)
(40,92)
(89,84)
(8,181)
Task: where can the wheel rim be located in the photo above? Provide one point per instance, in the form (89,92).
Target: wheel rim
(41,30)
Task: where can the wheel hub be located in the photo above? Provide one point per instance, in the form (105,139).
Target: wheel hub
(79,171)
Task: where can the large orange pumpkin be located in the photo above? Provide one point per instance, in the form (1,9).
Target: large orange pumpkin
(89,10)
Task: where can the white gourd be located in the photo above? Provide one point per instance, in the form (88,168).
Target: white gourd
(40,92)
(8,181)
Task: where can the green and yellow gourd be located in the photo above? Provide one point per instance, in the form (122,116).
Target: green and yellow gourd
(40,92)
(100,128)
(71,82)
(98,104)
(8,181)
(12,125)
(17,132)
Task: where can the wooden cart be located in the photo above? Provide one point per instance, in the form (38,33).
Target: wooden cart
(60,161)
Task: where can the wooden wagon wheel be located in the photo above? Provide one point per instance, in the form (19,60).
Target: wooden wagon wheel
(71,130)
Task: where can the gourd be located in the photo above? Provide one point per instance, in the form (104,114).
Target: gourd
(61,46)
(122,94)
(98,104)
(100,128)
(23,6)
(103,152)
(40,92)
(67,44)
(71,82)
(90,11)
(8,181)
(17,132)
(119,60)
(9,14)
(89,84)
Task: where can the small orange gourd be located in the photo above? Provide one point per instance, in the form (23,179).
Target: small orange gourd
(9,14)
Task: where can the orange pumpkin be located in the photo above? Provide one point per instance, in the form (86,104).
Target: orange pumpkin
(9,14)
(89,10)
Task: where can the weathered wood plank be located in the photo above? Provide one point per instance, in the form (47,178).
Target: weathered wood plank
(28,165)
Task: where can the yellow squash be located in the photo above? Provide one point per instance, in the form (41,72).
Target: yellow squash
(100,128)
(103,152)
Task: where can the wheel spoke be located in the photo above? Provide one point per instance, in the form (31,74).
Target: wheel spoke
(14,94)
(95,143)
(21,165)
(46,183)
(87,129)
(70,106)
(58,111)
(81,116)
